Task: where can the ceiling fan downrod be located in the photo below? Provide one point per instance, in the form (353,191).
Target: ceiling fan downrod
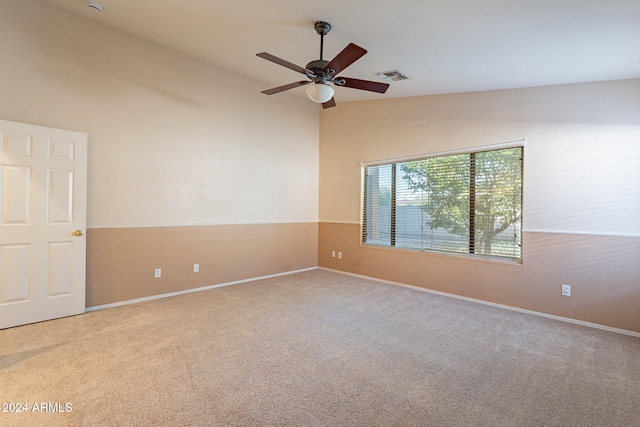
(317,66)
(322,28)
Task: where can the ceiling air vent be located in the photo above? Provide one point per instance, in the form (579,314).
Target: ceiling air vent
(392,76)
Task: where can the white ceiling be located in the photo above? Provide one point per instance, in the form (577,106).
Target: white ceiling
(444,46)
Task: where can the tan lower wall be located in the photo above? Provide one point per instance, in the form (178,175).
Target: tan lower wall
(603,271)
(121,261)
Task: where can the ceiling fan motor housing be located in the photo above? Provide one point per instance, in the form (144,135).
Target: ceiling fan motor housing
(319,74)
(317,65)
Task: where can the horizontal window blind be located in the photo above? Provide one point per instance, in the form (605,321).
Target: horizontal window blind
(461,203)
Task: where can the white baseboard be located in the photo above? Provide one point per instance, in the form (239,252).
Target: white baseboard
(188,291)
(492,304)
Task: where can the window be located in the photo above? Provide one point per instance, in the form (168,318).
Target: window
(461,203)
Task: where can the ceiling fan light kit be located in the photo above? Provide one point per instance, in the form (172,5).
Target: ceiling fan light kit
(320,93)
(321,72)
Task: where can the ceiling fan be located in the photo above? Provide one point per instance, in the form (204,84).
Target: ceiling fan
(322,72)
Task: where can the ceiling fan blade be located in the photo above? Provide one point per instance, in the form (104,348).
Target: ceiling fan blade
(365,85)
(284,63)
(330,103)
(285,87)
(348,56)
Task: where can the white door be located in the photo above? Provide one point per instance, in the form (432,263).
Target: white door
(43,186)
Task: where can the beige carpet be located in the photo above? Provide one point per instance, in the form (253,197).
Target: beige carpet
(317,349)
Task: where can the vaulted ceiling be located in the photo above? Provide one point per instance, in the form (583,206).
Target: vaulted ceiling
(443,46)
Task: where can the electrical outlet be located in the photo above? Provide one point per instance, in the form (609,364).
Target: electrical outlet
(158,272)
(339,255)
(566,290)
(196,268)
(333,254)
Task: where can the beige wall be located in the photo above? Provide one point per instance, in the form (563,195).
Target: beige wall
(120,259)
(581,193)
(173,143)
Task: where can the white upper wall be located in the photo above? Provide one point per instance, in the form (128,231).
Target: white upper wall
(172,141)
(582,149)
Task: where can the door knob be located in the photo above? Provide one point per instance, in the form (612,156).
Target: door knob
(77,233)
